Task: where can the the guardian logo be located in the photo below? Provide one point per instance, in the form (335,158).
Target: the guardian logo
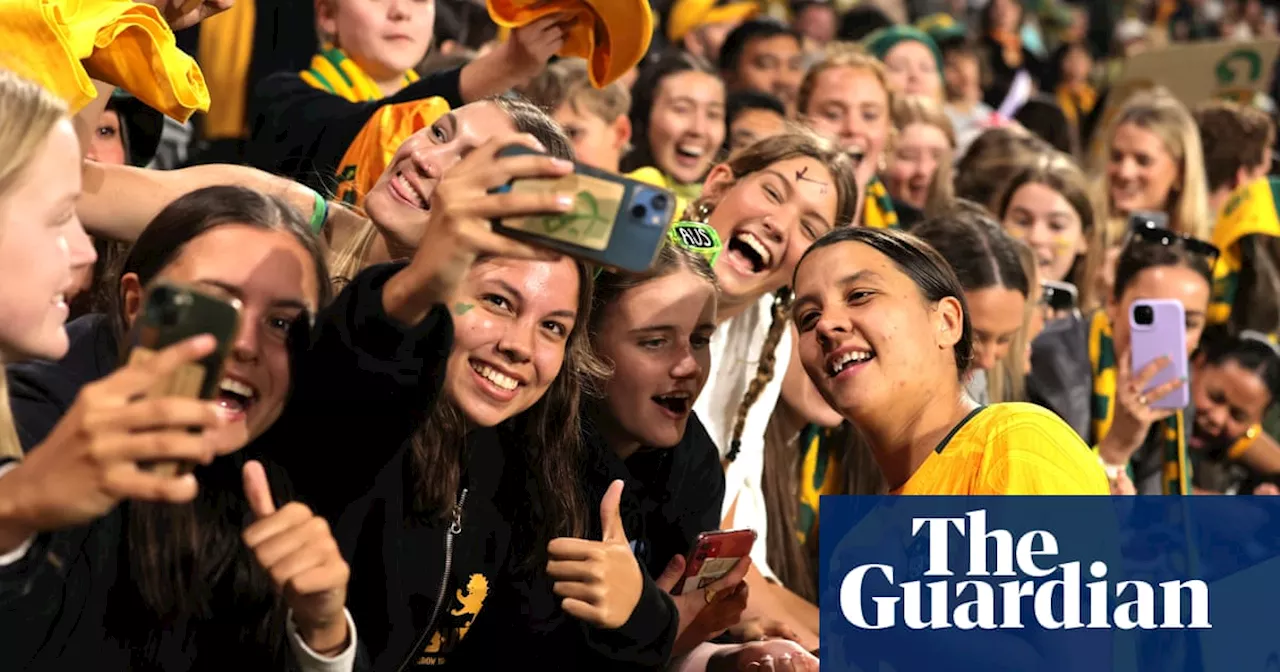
(973,603)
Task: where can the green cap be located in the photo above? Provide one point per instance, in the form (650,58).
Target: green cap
(880,42)
(697,237)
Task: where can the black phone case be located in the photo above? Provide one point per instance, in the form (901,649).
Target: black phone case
(633,242)
(173,313)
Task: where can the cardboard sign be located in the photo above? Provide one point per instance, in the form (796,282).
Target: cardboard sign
(1194,73)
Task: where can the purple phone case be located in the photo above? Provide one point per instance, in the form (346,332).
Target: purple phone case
(1165,336)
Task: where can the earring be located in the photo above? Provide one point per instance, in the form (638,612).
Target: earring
(702,212)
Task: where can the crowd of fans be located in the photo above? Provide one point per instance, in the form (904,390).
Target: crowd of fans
(436,446)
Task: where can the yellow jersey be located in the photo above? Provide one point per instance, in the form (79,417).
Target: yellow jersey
(1010,449)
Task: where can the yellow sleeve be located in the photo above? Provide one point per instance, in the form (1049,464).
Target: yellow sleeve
(1036,453)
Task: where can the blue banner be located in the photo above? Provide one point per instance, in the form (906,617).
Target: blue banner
(1061,584)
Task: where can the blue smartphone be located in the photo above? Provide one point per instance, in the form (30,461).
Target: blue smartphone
(1158,328)
(617,222)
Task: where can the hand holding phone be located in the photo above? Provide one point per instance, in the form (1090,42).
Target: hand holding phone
(171,314)
(461,212)
(90,461)
(714,555)
(1157,331)
(615,222)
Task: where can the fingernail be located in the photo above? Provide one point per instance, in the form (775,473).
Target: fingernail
(562,163)
(564,201)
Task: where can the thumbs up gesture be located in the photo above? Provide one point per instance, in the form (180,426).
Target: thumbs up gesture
(297,549)
(600,581)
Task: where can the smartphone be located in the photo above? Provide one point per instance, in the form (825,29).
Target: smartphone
(1158,328)
(172,313)
(617,222)
(1060,297)
(714,554)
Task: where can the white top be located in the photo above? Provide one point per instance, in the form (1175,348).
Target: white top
(308,660)
(735,355)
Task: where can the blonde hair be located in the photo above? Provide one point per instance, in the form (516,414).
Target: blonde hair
(29,113)
(909,110)
(841,55)
(1158,112)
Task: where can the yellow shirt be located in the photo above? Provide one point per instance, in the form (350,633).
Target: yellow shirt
(1010,449)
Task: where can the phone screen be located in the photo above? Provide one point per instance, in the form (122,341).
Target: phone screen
(590,223)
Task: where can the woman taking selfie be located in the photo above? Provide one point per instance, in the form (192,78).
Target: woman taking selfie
(1081,367)
(885,336)
(60,515)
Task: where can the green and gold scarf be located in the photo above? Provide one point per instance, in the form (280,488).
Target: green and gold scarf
(1250,211)
(821,473)
(878,212)
(332,71)
(1176,479)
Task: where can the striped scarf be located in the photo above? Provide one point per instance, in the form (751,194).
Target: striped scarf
(332,71)
(878,212)
(820,474)
(1176,478)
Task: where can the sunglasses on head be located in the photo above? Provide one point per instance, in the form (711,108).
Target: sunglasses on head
(1259,337)
(1151,231)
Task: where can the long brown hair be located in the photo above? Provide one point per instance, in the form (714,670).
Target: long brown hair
(548,432)
(29,113)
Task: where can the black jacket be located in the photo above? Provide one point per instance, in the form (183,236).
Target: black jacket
(71,602)
(302,132)
(497,609)
(671,495)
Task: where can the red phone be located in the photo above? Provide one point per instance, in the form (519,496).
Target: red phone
(714,554)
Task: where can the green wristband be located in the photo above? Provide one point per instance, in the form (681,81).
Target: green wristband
(319,214)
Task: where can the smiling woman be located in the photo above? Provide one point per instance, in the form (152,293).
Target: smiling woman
(886,338)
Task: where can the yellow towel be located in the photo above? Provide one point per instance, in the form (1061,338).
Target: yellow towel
(225,54)
(370,153)
(612,35)
(63,44)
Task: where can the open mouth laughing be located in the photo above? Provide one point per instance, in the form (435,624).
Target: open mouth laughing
(236,397)
(749,254)
(410,192)
(498,383)
(676,404)
(848,359)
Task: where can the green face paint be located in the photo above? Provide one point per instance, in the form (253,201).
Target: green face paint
(462,308)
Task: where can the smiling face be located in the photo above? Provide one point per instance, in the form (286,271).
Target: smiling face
(1229,399)
(656,337)
(868,337)
(1141,171)
(401,198)
(384,37)
(852,107)
(772,65)
(920,149)
(913,70)
(42,247)
(686,124)
(996,314)
(273,277)
(767,220)
(1178,283)
(754,125)
(1043,219)
(511,325)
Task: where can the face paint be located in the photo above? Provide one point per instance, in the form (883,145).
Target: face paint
(802,176)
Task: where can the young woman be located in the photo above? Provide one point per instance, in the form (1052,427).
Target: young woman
(1234,381)
(988,263)
(911,59)
(1154,162)
(768,203)
(181,589)
(885,336)
(1046,205)
(305,122)
(846,97)
(677,124)
(1000,38)
(1081,366)
(919,167)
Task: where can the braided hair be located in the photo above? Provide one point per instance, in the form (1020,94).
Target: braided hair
(764,370)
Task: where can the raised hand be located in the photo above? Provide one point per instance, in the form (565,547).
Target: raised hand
(1133,415)
(297,549)
(91,460)
(528,49)
(706,612)
(599,581)
(459,228)
(182,14)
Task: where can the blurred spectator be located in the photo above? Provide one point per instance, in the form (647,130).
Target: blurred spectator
(1042,116)
(752,116)
(1237,143)
(963,78)
(861,21)
(919,167)
(595,120)
(1069,74)
(763,55)
(701,26)
(815,19)
(1004,51)
(911,59)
